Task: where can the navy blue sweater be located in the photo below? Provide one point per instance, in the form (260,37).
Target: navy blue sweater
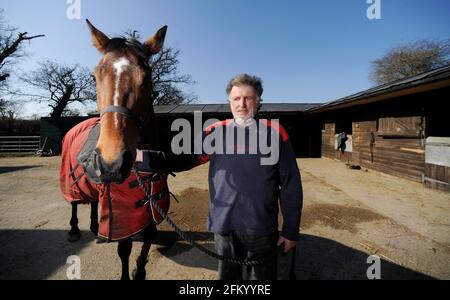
(244,191)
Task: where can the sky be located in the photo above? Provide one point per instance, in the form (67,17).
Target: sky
(304,50)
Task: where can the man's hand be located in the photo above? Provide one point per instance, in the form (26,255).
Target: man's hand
(288,244)
(139,157)
(150,161)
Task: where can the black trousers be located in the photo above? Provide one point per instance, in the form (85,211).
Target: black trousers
(241,246)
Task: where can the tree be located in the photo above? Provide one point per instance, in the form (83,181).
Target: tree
(11,50)
(165,77)
(9,112)
(61,85)
(3,107)
(10,47)
(166,80)
(409,60)
(9,109)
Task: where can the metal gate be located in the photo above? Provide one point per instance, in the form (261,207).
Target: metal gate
(19,144)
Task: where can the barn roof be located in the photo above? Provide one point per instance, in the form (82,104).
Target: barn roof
(431,80)
(279,108)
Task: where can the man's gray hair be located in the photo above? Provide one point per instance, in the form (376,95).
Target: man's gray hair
(245,79)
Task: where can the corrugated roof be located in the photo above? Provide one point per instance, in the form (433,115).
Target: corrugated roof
(214,108)
(225,108)
(286,107)
(432,76)
(163,109)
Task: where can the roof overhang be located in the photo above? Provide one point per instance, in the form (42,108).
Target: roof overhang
(402,88)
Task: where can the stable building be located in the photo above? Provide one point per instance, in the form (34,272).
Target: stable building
(401,128)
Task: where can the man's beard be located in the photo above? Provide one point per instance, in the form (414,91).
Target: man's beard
(244,120)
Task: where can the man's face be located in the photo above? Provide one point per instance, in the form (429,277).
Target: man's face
(243,102)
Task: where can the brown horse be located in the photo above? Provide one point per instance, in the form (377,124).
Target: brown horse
(124,95)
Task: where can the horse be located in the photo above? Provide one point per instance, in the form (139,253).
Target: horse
(98,154)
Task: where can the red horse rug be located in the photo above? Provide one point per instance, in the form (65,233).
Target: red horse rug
(125,210)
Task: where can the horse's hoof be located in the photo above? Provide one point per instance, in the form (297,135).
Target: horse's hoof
(138,275)
(100,241)
(74,237)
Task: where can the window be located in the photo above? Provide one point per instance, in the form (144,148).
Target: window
(400,126)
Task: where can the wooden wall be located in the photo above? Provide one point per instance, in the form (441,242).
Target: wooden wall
(399,156)
(387,136)
(438,173)
(328,140)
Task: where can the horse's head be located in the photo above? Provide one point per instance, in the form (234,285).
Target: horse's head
(124,95)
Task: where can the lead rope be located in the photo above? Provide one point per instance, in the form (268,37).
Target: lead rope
(186,236)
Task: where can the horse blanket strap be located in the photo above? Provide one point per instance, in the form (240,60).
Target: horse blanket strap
(154,197)
(124,111)
(155,177)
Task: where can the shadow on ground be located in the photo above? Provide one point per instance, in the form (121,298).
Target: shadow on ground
(36,254)
(4,170)
(316,258)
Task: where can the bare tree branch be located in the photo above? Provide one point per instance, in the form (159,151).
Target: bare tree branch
(409,60)
(166,79)
(10,46)
(60,85)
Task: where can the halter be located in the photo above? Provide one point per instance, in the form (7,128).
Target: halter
(127,113)
(123,111)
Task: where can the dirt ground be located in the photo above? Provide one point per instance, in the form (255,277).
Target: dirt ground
(347,216)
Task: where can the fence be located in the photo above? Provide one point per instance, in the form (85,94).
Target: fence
(19,144)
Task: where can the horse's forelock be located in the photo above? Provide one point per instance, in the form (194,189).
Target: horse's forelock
(123,44)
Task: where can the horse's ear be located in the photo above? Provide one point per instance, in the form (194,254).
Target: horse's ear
(156,42)
(99,39)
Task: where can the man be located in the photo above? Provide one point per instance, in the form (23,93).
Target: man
(245,188)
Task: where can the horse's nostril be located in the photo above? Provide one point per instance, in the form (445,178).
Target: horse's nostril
(98,162)
(116,171)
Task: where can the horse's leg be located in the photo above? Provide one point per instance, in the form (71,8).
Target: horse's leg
(149,236)
(94,217)
(74,233)
(124,251)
